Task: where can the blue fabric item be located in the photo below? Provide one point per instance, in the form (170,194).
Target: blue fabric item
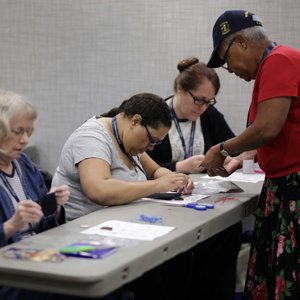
(238,296)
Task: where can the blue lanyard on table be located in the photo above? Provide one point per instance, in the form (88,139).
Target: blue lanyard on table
(7,184)
(265,54)
(117,136)
(192,134)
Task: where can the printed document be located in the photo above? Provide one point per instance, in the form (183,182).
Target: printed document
(129,230)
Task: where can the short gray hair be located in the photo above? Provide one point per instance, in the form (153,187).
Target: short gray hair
(11,105)
(257,34)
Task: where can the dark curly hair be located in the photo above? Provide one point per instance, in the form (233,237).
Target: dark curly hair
(152,108)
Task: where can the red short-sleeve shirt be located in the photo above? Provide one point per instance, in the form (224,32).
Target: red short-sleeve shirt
(279,76)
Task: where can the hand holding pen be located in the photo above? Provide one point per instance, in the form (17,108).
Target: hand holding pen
(187,188)
(173,181)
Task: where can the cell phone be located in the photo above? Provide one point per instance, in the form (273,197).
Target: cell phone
(48,204)
(166,196)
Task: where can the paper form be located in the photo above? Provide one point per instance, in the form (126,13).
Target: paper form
(203,189)
(129,230)
(238,176)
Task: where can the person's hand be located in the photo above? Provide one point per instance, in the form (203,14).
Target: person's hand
(26,212)
(62,193)
(189,187)
(213,162)
(190,165)
(231,164)
(172,181)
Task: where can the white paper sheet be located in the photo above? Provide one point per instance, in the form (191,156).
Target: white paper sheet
(203,189)
(239,176)
(129,230)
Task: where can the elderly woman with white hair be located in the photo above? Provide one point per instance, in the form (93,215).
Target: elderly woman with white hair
(21,183)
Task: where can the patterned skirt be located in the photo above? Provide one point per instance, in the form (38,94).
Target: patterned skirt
(274,263)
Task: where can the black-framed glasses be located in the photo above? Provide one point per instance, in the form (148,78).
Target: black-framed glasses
(152,142)
(200,101)
(19,132)
(225,56)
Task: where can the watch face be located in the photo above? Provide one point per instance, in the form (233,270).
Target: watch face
(224,153)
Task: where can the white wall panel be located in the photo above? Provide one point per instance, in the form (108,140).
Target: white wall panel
(75,58)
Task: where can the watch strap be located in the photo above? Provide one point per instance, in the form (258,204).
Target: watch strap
(223,151)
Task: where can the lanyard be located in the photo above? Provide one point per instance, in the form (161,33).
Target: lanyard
(192,133)
(7,184)
(265,54)
(268,50)
(117,136)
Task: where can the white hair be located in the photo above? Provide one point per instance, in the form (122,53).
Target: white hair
(12,105)
(256,34)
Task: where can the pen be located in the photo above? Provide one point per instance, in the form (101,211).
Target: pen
(76,249)
(258,171)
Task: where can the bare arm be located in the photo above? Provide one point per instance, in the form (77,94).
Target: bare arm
(152,169)
(190,165)
(155,171)
(101,188)
(231,164)
(270,119)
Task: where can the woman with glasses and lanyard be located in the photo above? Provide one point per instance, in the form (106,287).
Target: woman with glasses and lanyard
(21,184)
(105,161)
(196,123)
(196,126)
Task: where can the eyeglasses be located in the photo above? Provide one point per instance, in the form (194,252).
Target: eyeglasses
(225,56)
(152,142)
(199,101)
(19,132)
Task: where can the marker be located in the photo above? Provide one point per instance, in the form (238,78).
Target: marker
(258,171)
(76,249)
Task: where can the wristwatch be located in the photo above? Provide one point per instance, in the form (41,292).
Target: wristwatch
(223,151)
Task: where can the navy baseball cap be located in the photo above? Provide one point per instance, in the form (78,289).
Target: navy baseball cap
(229,22)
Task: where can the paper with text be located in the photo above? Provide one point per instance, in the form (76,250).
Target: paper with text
(129,230)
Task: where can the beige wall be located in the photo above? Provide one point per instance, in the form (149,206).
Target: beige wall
(75,58)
